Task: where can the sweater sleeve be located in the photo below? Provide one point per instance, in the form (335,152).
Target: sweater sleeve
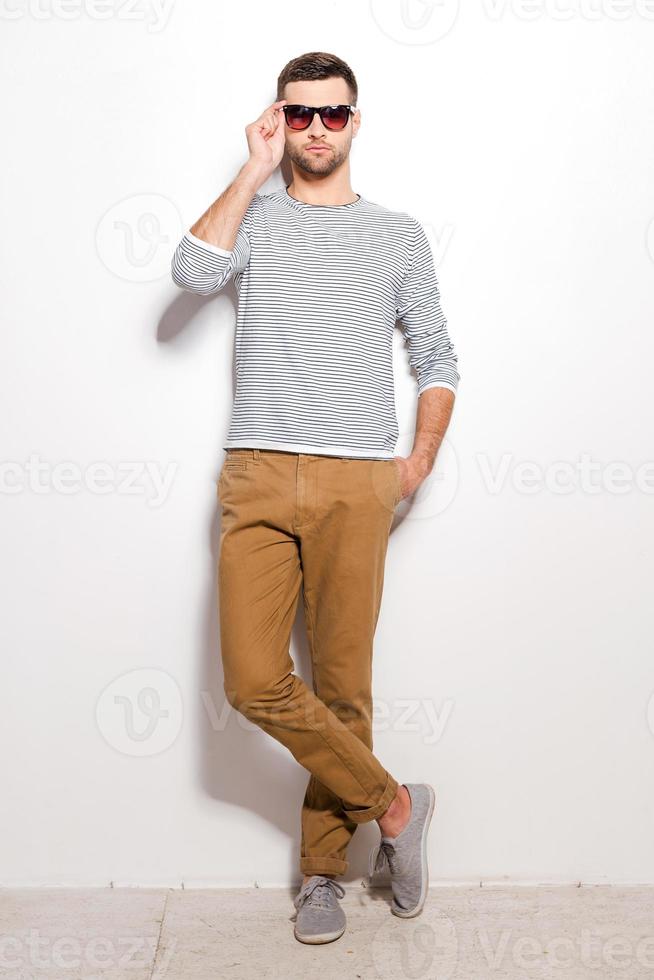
(431,352)
(203,268)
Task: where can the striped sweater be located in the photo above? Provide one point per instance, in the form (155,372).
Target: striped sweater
(320,289)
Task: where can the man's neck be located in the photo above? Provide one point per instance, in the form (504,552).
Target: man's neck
(323,191)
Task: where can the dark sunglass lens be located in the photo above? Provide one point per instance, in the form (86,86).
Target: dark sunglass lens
(298,116)
(335,117)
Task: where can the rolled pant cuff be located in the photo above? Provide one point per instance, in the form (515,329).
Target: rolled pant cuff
(381,806)
(323,865)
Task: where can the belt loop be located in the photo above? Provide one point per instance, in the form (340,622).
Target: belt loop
(256,453)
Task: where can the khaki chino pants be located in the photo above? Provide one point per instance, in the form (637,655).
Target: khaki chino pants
(321,523)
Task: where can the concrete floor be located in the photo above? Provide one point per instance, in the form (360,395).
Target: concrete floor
(467,933)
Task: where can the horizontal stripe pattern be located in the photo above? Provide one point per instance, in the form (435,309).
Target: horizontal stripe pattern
(320,289)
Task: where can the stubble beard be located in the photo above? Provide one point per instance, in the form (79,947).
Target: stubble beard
(318,163)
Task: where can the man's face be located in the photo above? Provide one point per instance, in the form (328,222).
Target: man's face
(300,145)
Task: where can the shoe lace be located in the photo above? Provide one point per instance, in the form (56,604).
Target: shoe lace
(383,854)
(321,891)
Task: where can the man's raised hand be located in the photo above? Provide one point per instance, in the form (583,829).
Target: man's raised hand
(265,138)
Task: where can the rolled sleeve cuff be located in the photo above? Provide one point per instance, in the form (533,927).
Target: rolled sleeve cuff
(208,246)
(438,384)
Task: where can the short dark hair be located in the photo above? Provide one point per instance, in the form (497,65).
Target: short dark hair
(316,65)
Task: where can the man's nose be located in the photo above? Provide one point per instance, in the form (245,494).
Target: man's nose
(316,128)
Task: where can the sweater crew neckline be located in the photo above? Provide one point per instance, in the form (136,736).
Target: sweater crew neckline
(322,207)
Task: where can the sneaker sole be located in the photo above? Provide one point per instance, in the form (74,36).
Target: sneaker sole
(324,937)
(425,867)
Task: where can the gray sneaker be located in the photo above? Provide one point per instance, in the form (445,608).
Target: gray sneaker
(320,919)
(406,854)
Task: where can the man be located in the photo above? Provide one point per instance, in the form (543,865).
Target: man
(309,483)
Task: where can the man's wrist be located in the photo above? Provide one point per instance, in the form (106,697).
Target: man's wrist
(423,462)
(253,175)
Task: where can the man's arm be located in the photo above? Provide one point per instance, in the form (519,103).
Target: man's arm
(218,244)
(432,355)
(435,408)
(219,224)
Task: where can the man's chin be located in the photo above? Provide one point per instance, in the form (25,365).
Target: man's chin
(316,166)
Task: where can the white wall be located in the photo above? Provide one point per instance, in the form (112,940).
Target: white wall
(517,618)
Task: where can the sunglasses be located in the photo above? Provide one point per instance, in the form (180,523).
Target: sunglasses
(332,116)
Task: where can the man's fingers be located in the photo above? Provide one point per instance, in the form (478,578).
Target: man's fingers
(269,118)
(267,126)
(271,112)
(272,122)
